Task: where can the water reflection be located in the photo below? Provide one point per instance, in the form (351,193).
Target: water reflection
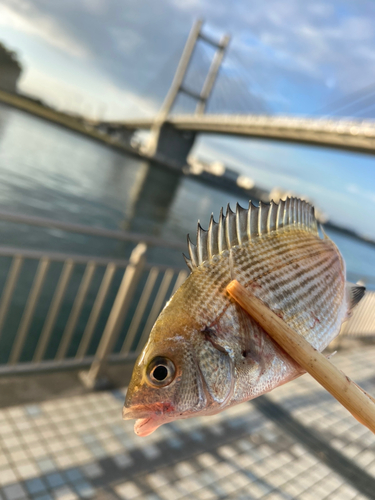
(150,199)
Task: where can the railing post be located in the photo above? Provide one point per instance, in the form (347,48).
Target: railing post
(94,378)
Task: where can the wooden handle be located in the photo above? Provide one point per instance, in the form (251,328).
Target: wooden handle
(360,404)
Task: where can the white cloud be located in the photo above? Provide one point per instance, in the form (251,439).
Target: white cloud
(95,6)
(21,16)
(103,101)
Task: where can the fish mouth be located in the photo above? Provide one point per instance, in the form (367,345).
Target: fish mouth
(147,419)
(146,426)
(135,412)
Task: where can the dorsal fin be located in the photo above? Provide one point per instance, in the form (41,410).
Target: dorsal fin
(237,228)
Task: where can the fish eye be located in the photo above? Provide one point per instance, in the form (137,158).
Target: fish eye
(160,372)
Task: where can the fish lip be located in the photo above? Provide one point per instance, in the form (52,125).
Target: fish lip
(146,426)
(147,419)
(137,412)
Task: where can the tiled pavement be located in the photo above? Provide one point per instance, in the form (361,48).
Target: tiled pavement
(295,443)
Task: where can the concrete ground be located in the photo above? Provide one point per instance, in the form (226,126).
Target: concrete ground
(295,443)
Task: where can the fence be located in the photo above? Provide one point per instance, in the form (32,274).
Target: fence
(362,323)
(60,310)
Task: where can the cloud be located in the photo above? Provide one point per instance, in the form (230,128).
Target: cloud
(22,16)
(115,104)
(285,52)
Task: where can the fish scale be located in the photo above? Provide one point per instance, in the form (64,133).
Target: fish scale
(220,356)
(266,274)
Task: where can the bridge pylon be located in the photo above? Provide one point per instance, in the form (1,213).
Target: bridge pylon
(162,135)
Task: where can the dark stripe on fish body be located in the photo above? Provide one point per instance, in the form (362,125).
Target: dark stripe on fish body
(284,261)
(300,286)
(281,267)
(270,247)
(285,248)
(286,281)
(322,299)
(314,291)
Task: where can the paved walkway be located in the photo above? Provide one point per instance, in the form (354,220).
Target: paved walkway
(295,443)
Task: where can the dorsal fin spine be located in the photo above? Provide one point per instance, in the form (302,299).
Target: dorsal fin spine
(299,215)
(303,222)
(280,214)
(211,240)
(241,224)
(238,225)
(227,226)
(272,216)
(260,219)
(248,221)
(221,235)
(293,211)
(245,225)
(254,222)
(286,212)
(230,228)
(192,252)
(188,262)
(202,252)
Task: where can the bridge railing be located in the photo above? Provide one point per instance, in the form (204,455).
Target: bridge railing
(61,310)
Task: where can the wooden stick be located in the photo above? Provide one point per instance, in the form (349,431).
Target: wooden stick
(360,404)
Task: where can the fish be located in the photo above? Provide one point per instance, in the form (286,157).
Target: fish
(205,353)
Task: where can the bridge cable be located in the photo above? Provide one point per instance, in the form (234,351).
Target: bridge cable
(349,100)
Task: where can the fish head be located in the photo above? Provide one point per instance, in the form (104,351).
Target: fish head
(165,383)
(181,373)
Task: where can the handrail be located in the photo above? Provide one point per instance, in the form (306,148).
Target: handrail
(90,230)
(25,253)
(123,307)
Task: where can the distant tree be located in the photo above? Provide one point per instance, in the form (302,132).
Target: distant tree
(10,69)
(8,57)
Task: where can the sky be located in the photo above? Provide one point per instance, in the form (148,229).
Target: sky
(116,59)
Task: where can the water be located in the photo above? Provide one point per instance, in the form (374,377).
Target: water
(50,172)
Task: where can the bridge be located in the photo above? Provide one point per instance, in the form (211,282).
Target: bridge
(172,135)
(350,135)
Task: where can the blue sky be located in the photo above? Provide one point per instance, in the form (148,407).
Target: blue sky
(116,58)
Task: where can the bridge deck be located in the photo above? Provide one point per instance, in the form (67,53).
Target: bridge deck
(344,134)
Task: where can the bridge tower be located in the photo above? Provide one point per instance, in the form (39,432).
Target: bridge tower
(164,139)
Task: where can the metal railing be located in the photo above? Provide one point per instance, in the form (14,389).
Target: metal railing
(151,295)
(362,322)
(60,310)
